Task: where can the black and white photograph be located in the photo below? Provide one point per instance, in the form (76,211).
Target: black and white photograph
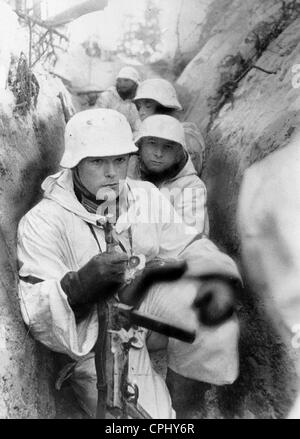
(150,212)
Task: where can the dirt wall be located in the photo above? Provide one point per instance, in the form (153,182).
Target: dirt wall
(246,113)
(30,148)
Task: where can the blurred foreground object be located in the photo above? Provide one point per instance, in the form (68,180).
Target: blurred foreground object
(269,219)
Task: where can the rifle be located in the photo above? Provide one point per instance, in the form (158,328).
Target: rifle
(112,347)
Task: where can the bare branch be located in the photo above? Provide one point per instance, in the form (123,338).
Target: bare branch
(41,23)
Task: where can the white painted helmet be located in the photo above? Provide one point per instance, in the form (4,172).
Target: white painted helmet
(129,73)
(159,90)
(96,133)
(163,127)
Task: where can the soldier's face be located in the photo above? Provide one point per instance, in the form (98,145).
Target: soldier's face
(159,155)
(146,107)
(125,85)
(106,174)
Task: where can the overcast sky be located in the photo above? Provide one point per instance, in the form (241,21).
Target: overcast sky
(57,6)
(107,24)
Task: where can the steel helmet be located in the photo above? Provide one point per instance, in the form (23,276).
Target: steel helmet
(129,73)
(163,127)
(96,133)
(159,90)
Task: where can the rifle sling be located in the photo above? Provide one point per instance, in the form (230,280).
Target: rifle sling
(100,359)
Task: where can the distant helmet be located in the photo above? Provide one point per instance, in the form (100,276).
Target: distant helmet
(129,73)
(96,133)
(159,90)
(163,127)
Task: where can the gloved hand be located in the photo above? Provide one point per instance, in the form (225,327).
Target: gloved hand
(98,279)
(215,301)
